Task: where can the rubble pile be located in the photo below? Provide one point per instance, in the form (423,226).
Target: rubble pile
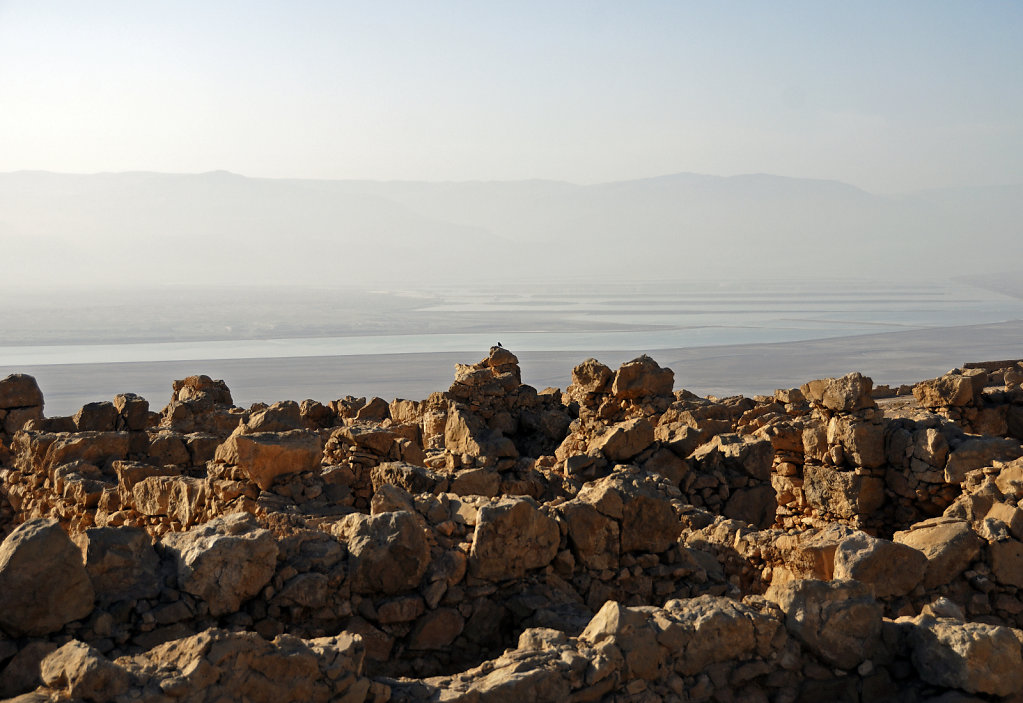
(620,540)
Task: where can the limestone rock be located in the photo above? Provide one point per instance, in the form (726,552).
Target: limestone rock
(43,583)
(465,433)
(219,665)
(640,378)
(625,440)
(19,390)
(97,448)
(96,417)
(20,673)
(839,621)
(949,545)
(202,387)
(437,629)
(225,561)
(83,672)
(389,552)
(178,497)
(978,452)
(846,394)
(121,563)
(930,447)
(414,479)
(593,537)
(811,554)
(862,442)
(15,419)
(842,493)
(648,521)
(282,416)
(737,454)
(476,482)
(892,569)
(511,537)
(706,630)
(1007,562)
(134,411)
(263,456)
(971,656)
(632,632)
(1010,479)
(950,390)
(591,376)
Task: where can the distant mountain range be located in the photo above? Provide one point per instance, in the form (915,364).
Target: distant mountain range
(219,227)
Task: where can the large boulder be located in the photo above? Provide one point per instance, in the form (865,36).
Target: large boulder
(43,582)
(811,554)
(845,494)
(847,394)
(590,376)
(282,416)
(466,433)
(706,630)
(624,440)
(633,633)
(970,656)
(98,448)
(594,537)
(892,569)
(862,442)
(949,545)
(225,561)
(646,515)
(202,387)
(181,498)
(640,378)
(736,454)
(389,552)
(838,621)
(950,390)
(19,391)
(511,537)
(263,456)
(83,673)
(96,417)
(133,410)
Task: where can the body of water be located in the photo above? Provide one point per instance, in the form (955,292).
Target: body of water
(634,318)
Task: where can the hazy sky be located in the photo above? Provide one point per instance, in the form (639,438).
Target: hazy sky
(889,96)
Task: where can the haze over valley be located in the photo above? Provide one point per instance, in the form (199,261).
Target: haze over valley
(224,229)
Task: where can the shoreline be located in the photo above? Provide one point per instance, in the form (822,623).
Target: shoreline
(748,369)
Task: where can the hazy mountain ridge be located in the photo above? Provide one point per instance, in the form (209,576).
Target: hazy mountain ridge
(222,227)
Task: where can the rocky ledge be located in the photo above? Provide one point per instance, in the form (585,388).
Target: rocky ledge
(615,541)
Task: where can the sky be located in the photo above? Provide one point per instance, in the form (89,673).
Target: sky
(889,96)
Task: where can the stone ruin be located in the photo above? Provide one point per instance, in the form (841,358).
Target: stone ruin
(615,541)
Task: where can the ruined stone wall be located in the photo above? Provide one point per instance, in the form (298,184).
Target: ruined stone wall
(616,541)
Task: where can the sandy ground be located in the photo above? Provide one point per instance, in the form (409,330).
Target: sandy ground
(892,358)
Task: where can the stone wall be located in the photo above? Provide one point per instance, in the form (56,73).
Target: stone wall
(619,540)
